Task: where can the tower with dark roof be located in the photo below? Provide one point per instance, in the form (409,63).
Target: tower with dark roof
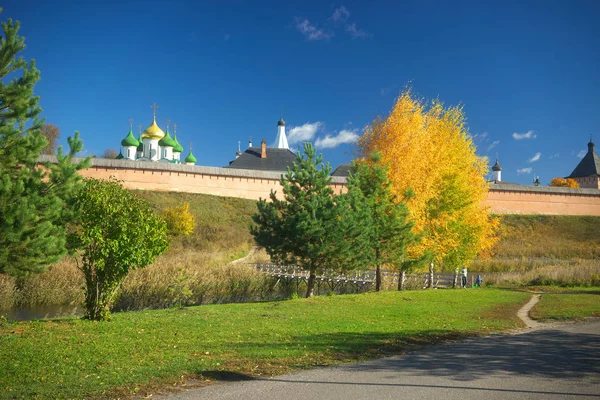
(587,172)
(497,172)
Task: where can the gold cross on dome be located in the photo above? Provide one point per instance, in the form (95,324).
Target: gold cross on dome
(131,122)
(168,122)
(155,107)
(174,127)
(140,127)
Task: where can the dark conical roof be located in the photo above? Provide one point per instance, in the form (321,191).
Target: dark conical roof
(497,166)
(589,164)
(281,122)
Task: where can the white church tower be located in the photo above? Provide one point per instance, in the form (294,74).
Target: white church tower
(281,141)
(497,172)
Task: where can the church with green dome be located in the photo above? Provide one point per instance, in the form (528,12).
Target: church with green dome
(154,145)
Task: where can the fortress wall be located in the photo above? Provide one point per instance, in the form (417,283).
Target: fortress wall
(543,200)
(176,181)
(250,184)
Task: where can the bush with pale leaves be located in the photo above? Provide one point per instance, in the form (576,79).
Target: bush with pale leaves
(179,219)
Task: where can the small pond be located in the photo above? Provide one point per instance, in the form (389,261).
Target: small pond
(41,312)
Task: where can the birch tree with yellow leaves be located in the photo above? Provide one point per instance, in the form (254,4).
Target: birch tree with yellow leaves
(430,153)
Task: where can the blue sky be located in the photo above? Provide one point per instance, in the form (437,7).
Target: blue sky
(527,72)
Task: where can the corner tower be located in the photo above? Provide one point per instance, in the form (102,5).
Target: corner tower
(587,172)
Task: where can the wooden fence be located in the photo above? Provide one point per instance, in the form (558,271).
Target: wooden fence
(359,280)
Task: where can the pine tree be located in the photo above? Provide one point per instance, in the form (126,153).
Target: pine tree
(309,227)
(34,201)
(390,231)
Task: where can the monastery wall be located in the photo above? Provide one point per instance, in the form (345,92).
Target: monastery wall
(251,184)
(516,199)
(248,184)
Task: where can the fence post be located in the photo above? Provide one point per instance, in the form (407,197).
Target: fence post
(455,281)
(401,280)
(430,275)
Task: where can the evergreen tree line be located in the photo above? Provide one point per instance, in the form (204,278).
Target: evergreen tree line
(316,229)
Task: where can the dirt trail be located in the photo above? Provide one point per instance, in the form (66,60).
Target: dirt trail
(523,313)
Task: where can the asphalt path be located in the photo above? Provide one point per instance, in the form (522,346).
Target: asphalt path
(558,363)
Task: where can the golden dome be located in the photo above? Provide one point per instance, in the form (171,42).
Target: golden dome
(153,132)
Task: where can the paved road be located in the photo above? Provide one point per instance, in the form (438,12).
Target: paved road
(558,363)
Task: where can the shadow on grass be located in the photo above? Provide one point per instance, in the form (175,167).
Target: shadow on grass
(226,376)
(557,354)
(553,354)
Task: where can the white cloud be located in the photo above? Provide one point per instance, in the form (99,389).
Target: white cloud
(340,14)
(306,132)
(524,171)
(494,144)
(535,158)
(310,31)
(553,156)
(345,136)
(353,31)
(526,135)
(581,154)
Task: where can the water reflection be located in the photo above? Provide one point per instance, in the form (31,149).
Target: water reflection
(45,311)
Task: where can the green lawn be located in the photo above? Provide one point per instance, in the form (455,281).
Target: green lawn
(138,352)
(568,305)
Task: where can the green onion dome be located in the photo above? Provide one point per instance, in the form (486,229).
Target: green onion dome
(140,147)
(130,140)
(190,158)
(120,156)
(167,140)
(178,148)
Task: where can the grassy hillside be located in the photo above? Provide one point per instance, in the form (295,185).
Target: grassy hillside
(222,223)
(549,236)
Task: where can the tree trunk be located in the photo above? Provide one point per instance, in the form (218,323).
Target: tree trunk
(430,276)
(96,304)
(98,296)
(310,290)
(377,271)
(401,280)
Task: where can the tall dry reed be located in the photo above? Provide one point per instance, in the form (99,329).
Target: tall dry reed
(61,284)
(575,273)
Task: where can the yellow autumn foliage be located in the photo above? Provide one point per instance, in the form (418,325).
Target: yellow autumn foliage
(561,182)
(179,219)
(430,152)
